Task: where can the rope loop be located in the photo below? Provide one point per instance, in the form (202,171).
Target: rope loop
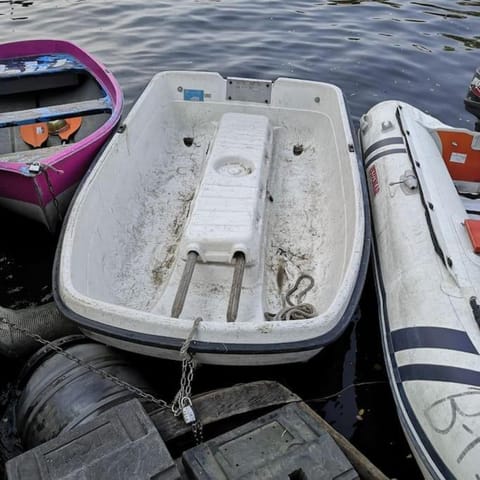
(299,310)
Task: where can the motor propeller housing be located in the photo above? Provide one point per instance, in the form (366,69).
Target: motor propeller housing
(472,100)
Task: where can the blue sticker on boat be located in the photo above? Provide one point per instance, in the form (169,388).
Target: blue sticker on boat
(193,95)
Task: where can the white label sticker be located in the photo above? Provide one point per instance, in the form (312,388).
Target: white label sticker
(458,157)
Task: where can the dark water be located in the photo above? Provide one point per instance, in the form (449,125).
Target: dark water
(422,53)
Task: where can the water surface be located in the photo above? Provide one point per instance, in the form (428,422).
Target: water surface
(419,52)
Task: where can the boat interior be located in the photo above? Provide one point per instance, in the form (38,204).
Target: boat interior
(460,151)
(461,154)
(227,210)
(44,109)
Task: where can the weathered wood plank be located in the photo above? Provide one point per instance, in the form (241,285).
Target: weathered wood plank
(365,468)
(45,114)
(224,403)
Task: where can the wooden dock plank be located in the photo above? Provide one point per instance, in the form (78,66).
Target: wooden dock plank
(225,403)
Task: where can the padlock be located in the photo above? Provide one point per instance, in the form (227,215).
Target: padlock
(188,415)
(34,167)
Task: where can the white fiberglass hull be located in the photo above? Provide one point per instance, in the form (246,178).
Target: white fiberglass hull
(217,167)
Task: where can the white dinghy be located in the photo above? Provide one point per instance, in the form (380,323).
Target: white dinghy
(424,183)
(238,201)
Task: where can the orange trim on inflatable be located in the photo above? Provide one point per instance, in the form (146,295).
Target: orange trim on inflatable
(473,230)
(462,162)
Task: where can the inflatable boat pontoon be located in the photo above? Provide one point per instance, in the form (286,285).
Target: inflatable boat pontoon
(424,183)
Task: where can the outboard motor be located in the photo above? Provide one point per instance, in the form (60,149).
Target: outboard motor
(472,100)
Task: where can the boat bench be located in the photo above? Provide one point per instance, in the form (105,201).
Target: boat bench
(30,156)
(461,154)
(21,83)
(471,204)
(45,114)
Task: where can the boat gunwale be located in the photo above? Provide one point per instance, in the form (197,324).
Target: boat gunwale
(93,67)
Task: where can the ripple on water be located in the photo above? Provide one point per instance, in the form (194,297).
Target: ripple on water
(421,53)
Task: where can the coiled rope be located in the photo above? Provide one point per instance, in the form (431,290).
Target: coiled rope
(299,310)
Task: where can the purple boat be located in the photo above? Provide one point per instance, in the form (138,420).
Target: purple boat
(58,106)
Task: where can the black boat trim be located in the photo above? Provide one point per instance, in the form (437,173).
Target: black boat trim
(376,157)
(433,236)
(196,346)
(432,337)
(439,373)
(382,143)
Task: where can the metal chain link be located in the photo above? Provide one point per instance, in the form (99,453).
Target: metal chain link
(182,398)
(197,429)
(108,376)
(52,193)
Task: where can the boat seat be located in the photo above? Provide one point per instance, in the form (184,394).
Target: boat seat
(472,205)
(461,154)
(29,156)
(19,84)
(473,229)
(45,114)
(56,71)
(469,189)
(230,199)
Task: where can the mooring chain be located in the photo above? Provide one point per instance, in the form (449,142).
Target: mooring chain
(295,311)
(182,403)
(197,429)
(108,376)
(44,169)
